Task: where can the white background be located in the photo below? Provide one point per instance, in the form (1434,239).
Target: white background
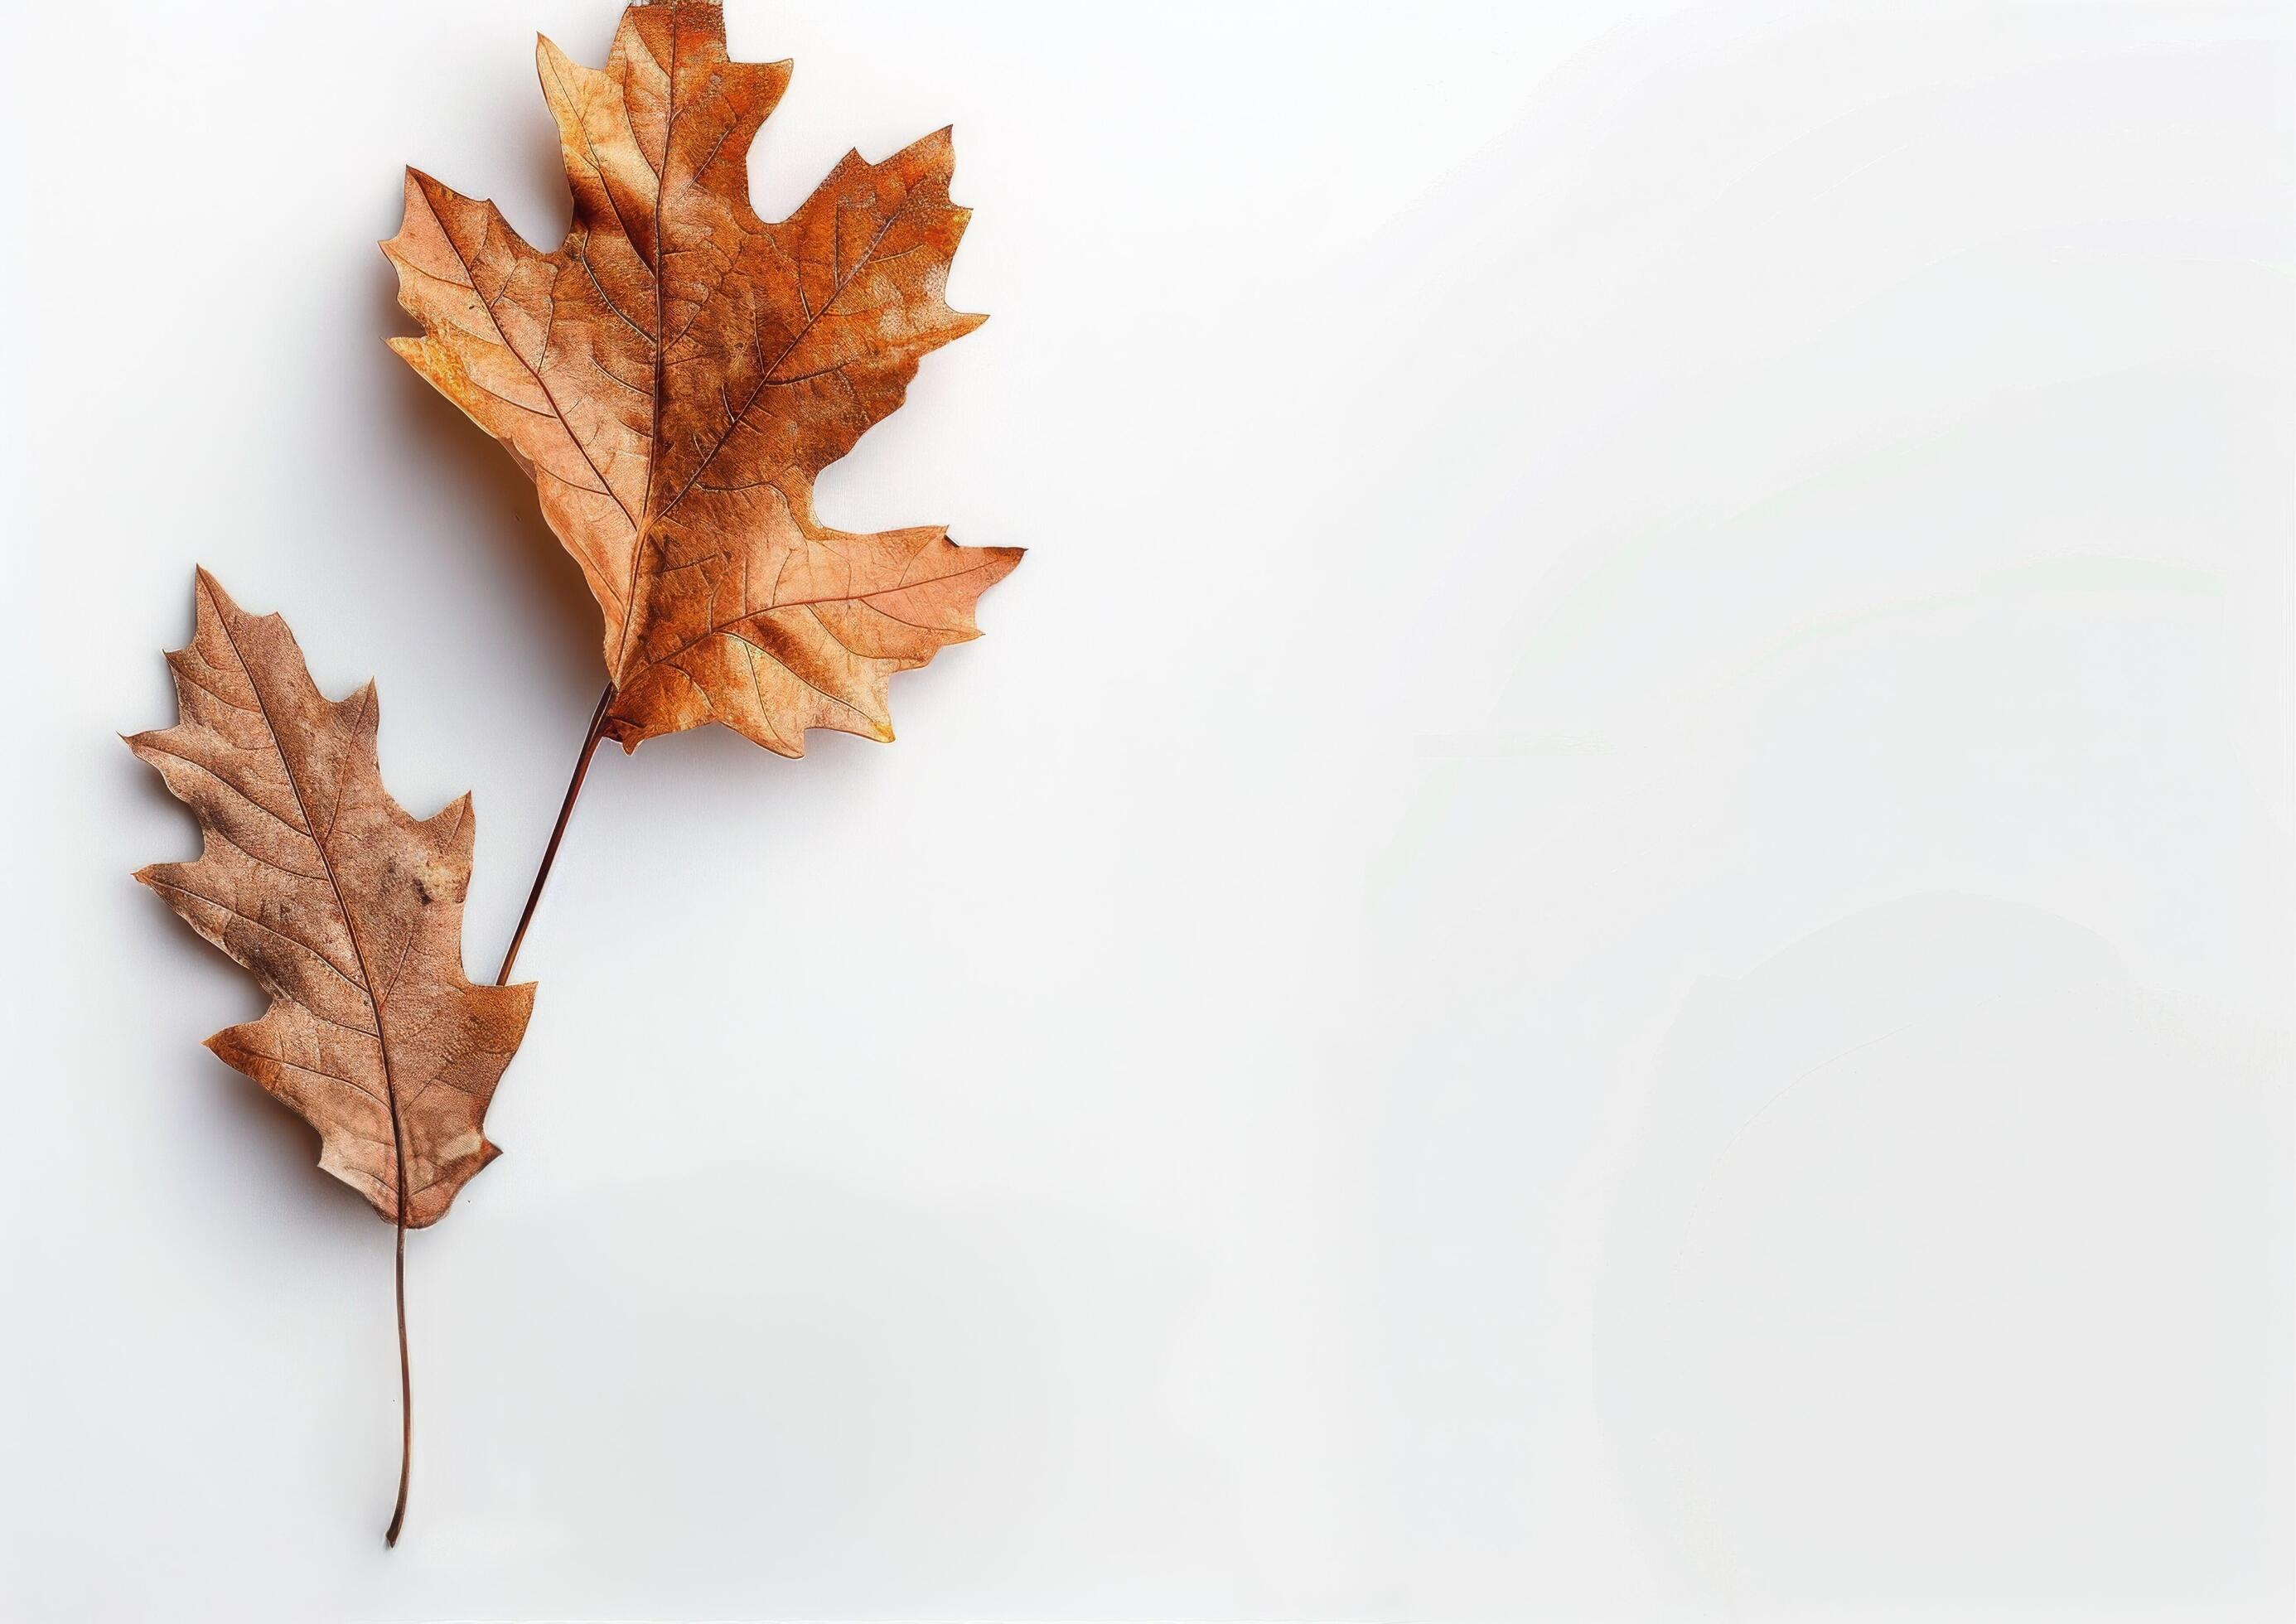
(1603,935)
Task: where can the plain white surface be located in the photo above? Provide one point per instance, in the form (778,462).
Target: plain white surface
(1603,935)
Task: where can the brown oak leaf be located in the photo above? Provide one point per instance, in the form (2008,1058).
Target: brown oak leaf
(677,372)
(347,910)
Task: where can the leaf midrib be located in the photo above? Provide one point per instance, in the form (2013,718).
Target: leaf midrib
(374,999)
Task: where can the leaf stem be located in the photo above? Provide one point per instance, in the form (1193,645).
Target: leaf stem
(590,742)
(406,1381)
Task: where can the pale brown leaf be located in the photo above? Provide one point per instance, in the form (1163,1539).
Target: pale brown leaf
(349,913)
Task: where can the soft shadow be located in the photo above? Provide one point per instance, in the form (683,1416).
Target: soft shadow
(263,1129)
(131,777)
(560,619)
(286,1144)
(476,478)
(720,755)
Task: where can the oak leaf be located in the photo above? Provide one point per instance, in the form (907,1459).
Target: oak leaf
(677,372)
(347,911)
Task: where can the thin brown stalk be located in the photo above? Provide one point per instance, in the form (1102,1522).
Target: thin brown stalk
(406,1383)
(590,742)
(565,814)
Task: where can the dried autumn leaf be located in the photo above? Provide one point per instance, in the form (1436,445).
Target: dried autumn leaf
(679,373)
(347,910)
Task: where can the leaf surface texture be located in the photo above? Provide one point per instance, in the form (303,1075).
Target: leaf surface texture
(347,910)
(677,375)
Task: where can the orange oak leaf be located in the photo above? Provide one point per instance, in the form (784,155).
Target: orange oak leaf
(349,913)
(677,372)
